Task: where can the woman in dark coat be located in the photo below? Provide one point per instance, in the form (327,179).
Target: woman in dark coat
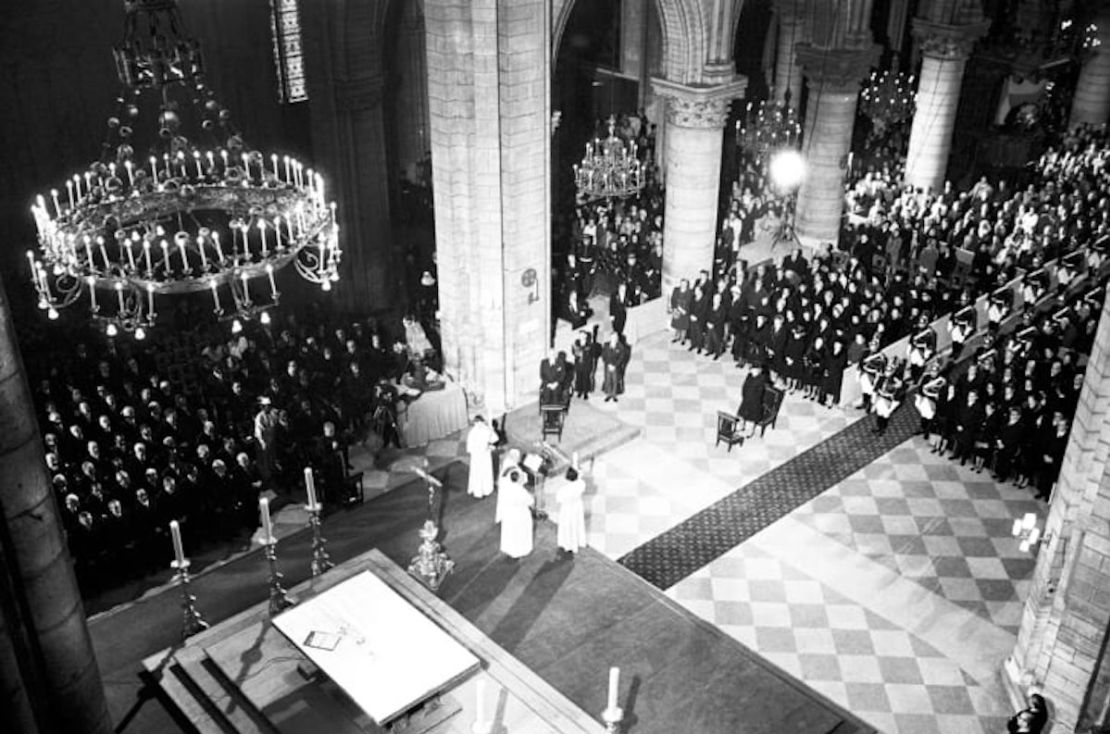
(751,397)
(698,306)
(681,300)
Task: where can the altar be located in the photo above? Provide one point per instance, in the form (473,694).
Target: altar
(434,414)
(368,650)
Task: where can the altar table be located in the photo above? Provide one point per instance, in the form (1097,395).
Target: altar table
(434,415)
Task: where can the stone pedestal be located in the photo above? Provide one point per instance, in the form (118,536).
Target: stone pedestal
(489,75)
(834,77)
(1091,103)
(945,50)
(1061,642)
(695,135)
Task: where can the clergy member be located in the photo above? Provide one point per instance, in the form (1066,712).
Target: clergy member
(479,444)
(516,515)
(572,513)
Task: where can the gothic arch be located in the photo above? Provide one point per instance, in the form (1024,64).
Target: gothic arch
(684,36)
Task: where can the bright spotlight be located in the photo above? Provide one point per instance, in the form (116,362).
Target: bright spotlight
(787,168)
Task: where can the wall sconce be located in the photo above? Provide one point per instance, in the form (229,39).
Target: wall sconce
(1028,532)
(528,279)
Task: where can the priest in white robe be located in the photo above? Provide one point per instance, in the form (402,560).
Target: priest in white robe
(572,513)
(516,515)
(509,462)
(479,445)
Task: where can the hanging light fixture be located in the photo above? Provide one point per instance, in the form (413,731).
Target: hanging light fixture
(195,214)
(610,168)
(888,99)
(768,126)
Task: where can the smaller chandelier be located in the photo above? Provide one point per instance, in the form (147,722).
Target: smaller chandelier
(610,168)
(888,98)
(768,126)
(186,217)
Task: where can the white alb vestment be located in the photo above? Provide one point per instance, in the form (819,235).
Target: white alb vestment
(516,518)
(572,516)
(479,445)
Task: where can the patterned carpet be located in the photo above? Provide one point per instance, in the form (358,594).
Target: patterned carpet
(709,534)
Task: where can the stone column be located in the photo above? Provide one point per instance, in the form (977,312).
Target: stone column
(53,676)
(945,50)
(489,65)
(367,267)
(834,77)
(695,135)
(410,96)
(343,64)
(1061,642)
(1091,103)
(788,72)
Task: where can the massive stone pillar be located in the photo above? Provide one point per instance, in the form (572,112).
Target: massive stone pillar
(788,72)
(1061,644)
(1091,103)
(489,72)
(834,77)
(410,93)
(945,50)
(695,134)
(49,679)
(344,68)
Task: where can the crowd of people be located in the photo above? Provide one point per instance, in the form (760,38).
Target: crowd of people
(1011,408)
(606,243)
(129,449)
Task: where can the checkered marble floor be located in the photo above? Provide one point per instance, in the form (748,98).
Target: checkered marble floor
(896,593)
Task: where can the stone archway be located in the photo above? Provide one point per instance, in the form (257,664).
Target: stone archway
(684,36)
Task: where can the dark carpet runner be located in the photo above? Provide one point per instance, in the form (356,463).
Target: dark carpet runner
(675,554)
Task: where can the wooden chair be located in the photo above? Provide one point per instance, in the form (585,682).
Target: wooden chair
(728,430)
(554,416)
(772,401)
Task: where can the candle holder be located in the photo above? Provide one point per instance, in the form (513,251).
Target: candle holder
(279,597)
(613,716)
(192,621)
(321,561)
(430,564)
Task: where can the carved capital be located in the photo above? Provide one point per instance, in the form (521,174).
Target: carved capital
(948,42)
(836,70)
(362,93)
(700,107)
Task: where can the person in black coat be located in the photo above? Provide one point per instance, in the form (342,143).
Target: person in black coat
(715,316)
(835,364)
(751,397)
(618,307)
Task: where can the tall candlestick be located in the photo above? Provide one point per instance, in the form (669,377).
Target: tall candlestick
(219,250)
(69,190)
(196,159)
(203,257)
(480,703)
(34,271)
(146,254)
(178,546)
(165,255)
(614,684)
(267,528)
(92,293)
(273,285)
(310,486)
(184,254)
(287,174)
(103,253)
(215,295)
(150,298)
(262,230)
(273,161)
(57,206)
(119,295)
(154,168)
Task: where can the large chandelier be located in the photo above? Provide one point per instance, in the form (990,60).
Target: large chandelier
(767,127)
(610,168)
(186,217)
(888,98)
